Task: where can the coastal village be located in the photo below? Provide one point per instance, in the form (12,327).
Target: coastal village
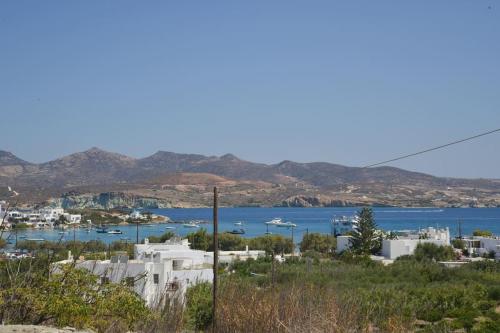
(157,271)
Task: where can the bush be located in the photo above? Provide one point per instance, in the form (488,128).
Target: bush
(200,240)
(161,239)
(458,244)
(199,306)
(230,242)
(430,251)
(317,242)
(277,244)
(68,298)
(482,233)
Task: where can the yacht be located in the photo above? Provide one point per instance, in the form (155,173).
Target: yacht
(239,223)
(190,225)
(115,232)
(344,224)
(286,225)
(274,221)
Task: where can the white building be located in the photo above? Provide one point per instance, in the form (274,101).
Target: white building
(406,245)
(136,215)
(51,214)
(483,245)
(73,218)
(161,269)
(343,243)
(157,270)
(406,242)
(227,257)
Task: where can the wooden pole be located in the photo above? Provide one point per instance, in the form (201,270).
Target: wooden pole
(137,232)
(216,263)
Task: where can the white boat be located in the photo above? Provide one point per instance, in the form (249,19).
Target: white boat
(238,223)
(344,224)
(274,221)
(190,225)
(35,239)
(286,225)
(169,228)
(115,232)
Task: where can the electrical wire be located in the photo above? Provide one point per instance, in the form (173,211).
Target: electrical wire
(433,148)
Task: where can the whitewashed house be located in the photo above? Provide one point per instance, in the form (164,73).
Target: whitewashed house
(406,245)
(51,214)
(483,245)
(160,269)
(157,270)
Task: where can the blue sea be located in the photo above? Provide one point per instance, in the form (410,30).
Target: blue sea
(307,220)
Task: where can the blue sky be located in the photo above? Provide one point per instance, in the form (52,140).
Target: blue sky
(351,82)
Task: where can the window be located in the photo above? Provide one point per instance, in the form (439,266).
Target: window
(156,278)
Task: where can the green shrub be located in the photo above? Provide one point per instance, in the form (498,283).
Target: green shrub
(317,242)
(482,233)
(199,306)
(430,251)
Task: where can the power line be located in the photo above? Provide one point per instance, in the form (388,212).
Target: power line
(433,148)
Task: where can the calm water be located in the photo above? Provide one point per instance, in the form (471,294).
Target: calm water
(307,220)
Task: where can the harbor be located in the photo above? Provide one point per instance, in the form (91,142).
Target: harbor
(251,222)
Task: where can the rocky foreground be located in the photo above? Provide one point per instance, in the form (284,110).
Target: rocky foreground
(38,329)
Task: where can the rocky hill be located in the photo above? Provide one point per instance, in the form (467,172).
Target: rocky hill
(171,179)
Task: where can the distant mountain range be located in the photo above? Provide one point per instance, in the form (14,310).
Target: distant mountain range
(171,179)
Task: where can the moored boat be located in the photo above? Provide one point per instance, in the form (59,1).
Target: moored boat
(274,221)
(237,231)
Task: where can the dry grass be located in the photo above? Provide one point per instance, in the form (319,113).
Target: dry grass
(292,309)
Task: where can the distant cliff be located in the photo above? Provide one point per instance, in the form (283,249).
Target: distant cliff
(107,200)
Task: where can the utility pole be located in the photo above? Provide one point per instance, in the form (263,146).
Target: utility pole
(459,229)
(137,231)
(273,274)
(216,264)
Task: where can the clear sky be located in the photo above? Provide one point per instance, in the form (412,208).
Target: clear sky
(349,82)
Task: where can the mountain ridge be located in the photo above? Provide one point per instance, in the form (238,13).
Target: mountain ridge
(294,183)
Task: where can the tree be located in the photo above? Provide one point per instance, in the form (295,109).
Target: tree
(482,233)
(229,242)
(200,240)
(318,243)
(161,239)
(272,244)
(62,219)
(365,239)
(458,244)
